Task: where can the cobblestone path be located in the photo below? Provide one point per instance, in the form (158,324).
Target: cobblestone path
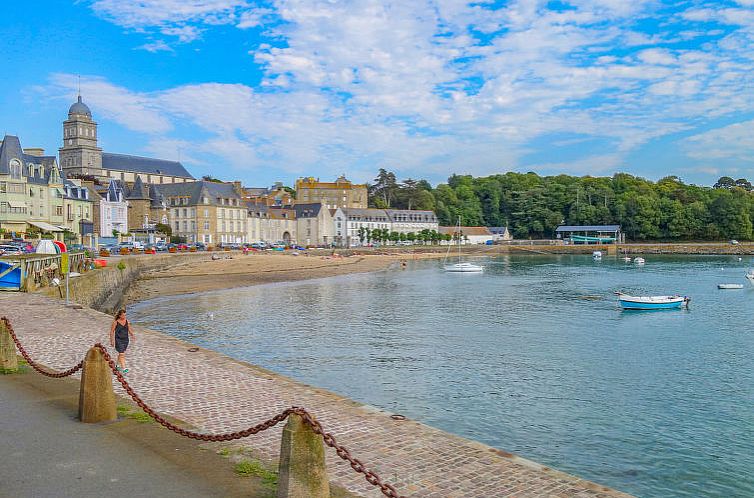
(215,393)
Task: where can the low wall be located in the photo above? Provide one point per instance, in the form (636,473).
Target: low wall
(103,289)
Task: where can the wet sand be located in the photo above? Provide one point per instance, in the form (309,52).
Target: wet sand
(255,269)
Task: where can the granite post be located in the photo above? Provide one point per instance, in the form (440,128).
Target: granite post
(302,471)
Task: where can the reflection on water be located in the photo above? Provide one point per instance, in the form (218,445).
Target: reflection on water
(533,356)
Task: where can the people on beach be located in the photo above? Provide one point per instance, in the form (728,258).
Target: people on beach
(120,335)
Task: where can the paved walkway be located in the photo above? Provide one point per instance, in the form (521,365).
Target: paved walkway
(218,394)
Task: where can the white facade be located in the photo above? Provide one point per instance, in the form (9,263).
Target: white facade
(113,211)
(348,221)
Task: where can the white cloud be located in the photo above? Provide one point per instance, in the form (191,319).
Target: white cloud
(414,86)
(156,46)
(734,141)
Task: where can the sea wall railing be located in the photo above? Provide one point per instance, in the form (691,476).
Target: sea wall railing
(302,471)
(39,270)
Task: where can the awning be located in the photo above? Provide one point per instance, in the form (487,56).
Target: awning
(45,226)
(64,228)
(16,204)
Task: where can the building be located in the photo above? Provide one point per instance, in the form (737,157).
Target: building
(32,194)
(500,233)
(469,235)
(348,221)
(280,225)
(203,211)
(590,234)
(277,195)
(338,194)
(314,224)
(113,210)
(81,157)
(411,221)
(78,209)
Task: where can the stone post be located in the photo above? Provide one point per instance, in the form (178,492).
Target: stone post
(302,472)
(8,359)
(96,397)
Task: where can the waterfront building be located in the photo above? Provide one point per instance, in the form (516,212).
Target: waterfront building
(411,221)
(338,194)
(500,233)
(590,234)
(113,210)
(80,155)
(468,235)
(203,211)
(348,221)
(77,206)
(32,195)
(281,225)
(314,224)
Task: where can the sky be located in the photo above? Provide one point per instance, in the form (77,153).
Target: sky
(266,91)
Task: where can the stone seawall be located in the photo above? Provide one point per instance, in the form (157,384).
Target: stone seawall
(103,289)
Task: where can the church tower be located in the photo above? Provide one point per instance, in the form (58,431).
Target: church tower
(80,154)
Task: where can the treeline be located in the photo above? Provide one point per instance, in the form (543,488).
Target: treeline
(532,206)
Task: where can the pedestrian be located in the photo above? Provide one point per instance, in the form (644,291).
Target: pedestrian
(120,333)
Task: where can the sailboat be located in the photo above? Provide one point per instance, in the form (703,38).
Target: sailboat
(460,267)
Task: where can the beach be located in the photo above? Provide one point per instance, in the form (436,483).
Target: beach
(238,270)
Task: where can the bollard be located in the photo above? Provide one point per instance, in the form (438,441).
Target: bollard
(302,472)
(8,358)
(96,397)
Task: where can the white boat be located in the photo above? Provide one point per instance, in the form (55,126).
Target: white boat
(730,286)
(460,267)
(597,255)
(750,276)
(639,261)
(627,259)
(651,302)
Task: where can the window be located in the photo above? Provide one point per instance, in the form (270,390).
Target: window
(206,213)
(206,225)
(59,210)
(193,226)
(177,226)
(15,168)
(185,212)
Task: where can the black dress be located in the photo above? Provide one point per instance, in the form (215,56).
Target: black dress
(121,337)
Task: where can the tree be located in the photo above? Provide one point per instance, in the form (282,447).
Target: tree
(163,228)
(384,188)
(725,182)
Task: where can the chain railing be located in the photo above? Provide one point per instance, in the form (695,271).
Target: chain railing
(370,476)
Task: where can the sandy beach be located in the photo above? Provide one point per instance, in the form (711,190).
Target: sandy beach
(254,269)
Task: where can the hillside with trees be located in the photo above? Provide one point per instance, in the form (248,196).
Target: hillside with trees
(532,206)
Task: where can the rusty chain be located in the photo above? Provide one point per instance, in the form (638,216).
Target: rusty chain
(371,477)
(32,363)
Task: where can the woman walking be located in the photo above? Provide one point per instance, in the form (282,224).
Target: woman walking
(120,333)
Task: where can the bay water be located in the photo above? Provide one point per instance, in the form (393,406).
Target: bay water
(533,356)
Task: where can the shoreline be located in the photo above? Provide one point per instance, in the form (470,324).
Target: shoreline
(238,271)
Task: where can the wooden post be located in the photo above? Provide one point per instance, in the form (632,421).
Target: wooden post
(8,359)
(302,471)
(96,397)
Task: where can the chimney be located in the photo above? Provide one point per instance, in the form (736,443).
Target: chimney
(35,151)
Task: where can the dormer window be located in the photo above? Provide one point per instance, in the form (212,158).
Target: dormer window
(15,168)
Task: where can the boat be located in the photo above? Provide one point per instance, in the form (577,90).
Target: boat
(639,261)
(652,302)
(597,255)
(730,286)
(460,267)
(750,276)
(10,275)
(627,259)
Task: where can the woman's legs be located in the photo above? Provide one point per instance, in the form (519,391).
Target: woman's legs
(122,360)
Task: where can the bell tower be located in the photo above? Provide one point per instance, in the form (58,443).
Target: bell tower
(80,154)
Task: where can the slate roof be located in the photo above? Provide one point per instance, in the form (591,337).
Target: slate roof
(307,210)
(145,165)
(139,190)
(588,228)
(196,190)
(80,108)
(498,230)
(11,148)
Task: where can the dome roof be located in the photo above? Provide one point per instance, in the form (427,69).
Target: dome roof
(80,108)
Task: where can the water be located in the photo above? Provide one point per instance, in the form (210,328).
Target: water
(533,357)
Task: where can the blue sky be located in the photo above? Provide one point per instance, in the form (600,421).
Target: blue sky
(271,91)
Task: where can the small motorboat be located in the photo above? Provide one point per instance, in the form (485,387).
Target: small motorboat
(597,255)
(639,261)
(652,302)
(464,268)
(750,276)
(730,286)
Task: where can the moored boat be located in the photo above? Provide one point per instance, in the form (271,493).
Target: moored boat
(651,302)
(639,261)
(464,268)
(750,276)
(597,255)
(730,286)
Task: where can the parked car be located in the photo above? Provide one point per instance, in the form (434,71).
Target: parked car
(161,246)
(734,242)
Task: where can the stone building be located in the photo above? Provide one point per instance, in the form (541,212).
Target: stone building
(81,157)
(208,212)
(338,194)
(314,224)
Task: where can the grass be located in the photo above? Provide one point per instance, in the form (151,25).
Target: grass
(247,468)
(224,452)
(140,416)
